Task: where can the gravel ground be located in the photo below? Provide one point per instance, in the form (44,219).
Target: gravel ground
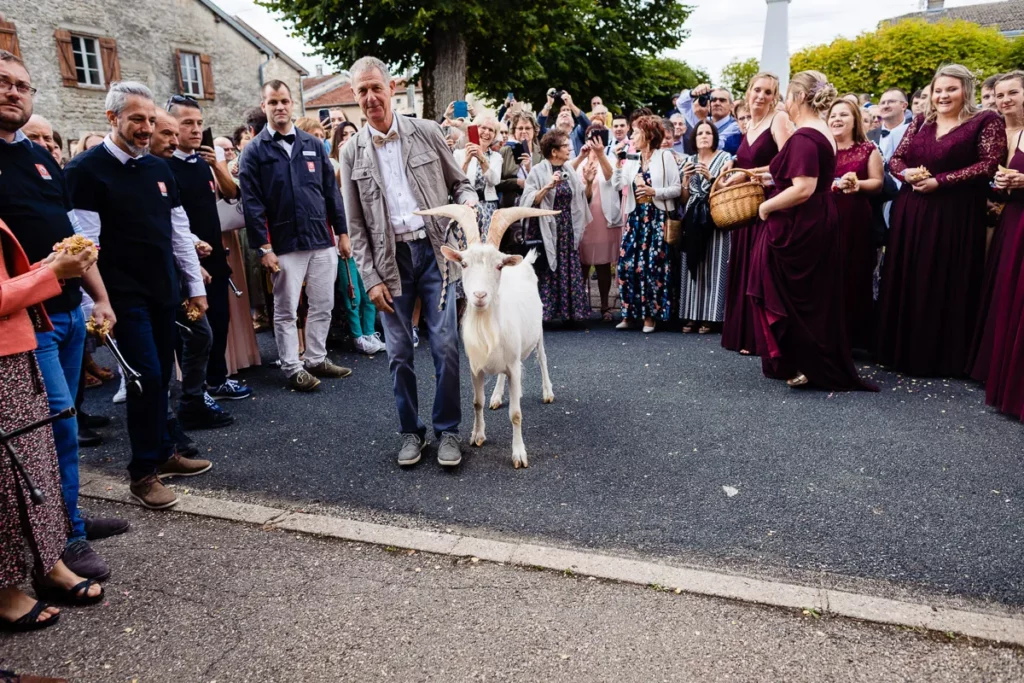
(203,600)
(665,446)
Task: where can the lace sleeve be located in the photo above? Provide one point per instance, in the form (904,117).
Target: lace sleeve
(991,152)
(898,164)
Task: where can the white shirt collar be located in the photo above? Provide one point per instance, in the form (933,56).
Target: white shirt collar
(394,127)
(290,131)
(19,136)
(903,124)
(185,156)
(118,153)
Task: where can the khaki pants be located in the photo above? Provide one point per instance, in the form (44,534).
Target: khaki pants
(317,270)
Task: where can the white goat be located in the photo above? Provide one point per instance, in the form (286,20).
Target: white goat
(503,322)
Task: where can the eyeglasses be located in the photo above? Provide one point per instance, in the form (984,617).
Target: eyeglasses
(181,99)
(22,88)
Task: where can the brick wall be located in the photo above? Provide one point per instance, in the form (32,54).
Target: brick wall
(147,36)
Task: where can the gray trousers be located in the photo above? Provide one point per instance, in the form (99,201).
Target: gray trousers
(318,270)
(193,356)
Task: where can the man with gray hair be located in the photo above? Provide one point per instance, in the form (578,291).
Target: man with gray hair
(127,201)
(395,166)
(705,102)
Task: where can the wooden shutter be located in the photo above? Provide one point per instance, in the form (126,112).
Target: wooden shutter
(177,70)
(9,38)
(207,71)
(111,64)
(66,57)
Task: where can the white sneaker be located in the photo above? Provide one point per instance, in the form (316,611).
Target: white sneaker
(375,338)
(365,345)
(122,392)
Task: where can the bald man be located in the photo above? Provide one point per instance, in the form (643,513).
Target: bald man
(39,131)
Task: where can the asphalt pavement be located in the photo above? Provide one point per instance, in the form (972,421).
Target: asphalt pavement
(205,601)
(662,445)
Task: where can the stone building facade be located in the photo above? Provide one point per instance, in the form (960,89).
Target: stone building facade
(75,48)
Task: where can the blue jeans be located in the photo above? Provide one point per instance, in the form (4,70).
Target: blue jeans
(146,335)
(59,354)
(421,278)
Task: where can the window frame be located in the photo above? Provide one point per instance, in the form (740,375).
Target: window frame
(196,68)
(97,54)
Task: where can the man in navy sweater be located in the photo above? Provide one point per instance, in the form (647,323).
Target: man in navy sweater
(293,213)
(36,207)
(127,201)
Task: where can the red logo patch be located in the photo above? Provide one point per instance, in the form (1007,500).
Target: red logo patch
(312,166)
(43,172)
(162,187)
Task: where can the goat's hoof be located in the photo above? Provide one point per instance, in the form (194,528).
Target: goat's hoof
(519,460)
(550,398)
(495,405)
(479,440)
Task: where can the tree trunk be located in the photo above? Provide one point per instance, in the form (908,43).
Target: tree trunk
(444,71)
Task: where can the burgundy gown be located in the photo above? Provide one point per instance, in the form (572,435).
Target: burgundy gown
(1013,211)
(931,287)
(738,327)
(857,247)
(1005,386)
(796,275)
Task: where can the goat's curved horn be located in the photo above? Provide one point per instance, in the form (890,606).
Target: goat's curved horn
(461,214)
(503,218)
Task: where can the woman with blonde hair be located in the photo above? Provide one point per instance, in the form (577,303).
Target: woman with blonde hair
(767,132)
(858,174)
(931,288)
(308,124)
(483,168)
(86,142)
(796,276)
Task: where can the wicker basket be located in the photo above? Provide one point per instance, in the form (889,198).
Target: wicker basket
(736,206)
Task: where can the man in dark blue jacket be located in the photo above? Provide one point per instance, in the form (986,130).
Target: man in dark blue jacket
(293,212)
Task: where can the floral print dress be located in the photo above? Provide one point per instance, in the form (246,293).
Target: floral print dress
(563,290)
(644,270)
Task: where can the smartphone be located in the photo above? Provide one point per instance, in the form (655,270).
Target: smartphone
(510,96)
(474,134)
(602,134)
(518,150)
(325,117)
(207,138)
(461,109)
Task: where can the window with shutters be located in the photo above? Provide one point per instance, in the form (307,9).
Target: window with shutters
(191,75)
(87,60)
(9,38)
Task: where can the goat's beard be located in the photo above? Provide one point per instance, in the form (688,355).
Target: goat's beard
(478,334)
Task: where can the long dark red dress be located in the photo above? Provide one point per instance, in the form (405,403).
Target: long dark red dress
(796,275)
(857,247)
(931,287)
(1005,387)
(738,327)
(984,335)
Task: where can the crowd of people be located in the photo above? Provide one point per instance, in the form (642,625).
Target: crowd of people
(892,228)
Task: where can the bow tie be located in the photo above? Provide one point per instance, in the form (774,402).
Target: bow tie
(290,138)
(192,158)
(884,132)
(381,140)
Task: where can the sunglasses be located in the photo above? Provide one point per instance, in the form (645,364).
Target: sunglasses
(181,99)
(719,99)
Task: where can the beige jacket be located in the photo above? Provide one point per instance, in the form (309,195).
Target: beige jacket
(433,176)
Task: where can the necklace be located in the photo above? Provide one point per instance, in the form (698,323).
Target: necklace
(763,119)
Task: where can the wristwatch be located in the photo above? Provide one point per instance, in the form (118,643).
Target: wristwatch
(264,252)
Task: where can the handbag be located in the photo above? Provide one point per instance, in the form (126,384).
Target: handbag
(514,241)
(673,219)
(231,216)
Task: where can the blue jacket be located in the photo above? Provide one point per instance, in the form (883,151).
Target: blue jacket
(292,203)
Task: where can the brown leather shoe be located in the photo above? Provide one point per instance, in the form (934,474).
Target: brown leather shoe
(177,466)
(152,493)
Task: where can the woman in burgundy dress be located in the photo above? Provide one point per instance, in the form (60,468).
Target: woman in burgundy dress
(931,288)
(858,174)
(796,275)
(767,131)
(1009,90)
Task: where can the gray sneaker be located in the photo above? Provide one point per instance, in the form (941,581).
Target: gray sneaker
(412,446)
(449,451)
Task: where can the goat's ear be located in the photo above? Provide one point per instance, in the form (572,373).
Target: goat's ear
(514,260)
(451,254)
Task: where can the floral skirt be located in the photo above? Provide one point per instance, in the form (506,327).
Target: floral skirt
(644,270)
(42,532)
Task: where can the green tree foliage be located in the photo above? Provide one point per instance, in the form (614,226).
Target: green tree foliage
(663,78)
(736,75)
(587,47)
(906,54)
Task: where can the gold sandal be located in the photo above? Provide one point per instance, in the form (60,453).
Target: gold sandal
(798,381)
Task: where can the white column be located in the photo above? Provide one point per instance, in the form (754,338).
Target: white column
(775,49)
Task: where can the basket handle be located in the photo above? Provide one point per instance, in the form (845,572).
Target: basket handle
(744,171)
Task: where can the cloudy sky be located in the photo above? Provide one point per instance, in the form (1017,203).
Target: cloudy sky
(719,29)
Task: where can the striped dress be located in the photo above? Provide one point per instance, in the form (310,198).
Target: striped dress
(702,297)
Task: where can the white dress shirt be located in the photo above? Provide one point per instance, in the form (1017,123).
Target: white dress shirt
(183,242)
(888,144)
(397,191)
(287,146)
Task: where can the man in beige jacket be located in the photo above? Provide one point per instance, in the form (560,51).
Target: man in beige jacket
(394,166)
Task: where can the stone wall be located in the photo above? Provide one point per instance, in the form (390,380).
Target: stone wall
(147,36)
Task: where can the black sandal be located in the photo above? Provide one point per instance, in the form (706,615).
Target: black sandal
(77,596)
(30,621)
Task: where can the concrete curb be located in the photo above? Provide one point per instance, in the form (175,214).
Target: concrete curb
(696,581)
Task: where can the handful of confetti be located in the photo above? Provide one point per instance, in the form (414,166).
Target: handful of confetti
(74,245)
(192,312)
(912,175)
(99,330)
